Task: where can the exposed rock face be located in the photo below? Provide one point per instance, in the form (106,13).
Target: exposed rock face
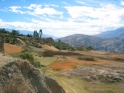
(21,77)
(93,74)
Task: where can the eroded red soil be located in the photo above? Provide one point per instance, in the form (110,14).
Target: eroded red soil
(9,48)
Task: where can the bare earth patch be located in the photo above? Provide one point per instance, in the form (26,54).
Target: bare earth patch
(63,64)
(9,48)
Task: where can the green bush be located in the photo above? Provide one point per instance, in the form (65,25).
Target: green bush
(27,55)
(62,46)
(87,59)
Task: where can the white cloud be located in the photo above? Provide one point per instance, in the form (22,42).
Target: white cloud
(82,20)
(16,9)
(33,6)
(106,16)
(122,2)
(36,9)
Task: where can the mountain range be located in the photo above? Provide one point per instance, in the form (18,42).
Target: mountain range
(108,41)
(113,33)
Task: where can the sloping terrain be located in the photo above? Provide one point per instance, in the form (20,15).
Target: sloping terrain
(90,72)
(27,78)
(9,48)
(47,47)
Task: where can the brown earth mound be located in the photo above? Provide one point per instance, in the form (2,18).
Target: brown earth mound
(9,48)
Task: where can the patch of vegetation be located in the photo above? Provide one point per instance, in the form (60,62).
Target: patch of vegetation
(47,54)
(52,53)
(57,69)
(119,59)
(86,58)
(62,46)
(79,48)
(27,55)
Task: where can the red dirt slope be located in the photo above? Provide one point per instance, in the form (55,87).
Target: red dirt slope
(9,48)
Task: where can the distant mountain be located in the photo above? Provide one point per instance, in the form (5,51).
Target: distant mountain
(98,43)
(81,39)
(25,32)
(114,33)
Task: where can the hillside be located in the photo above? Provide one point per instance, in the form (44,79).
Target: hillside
(27,78)
(9,48)
(113,33)
(98,43)
(57,67)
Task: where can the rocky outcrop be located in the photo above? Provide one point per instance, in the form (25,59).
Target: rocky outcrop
(21,77)
(94,74)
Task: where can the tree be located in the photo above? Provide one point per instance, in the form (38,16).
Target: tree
(14,34)
(1,44)
(35,34)
(40,33)
(90,48)
(59,40)
(28,35)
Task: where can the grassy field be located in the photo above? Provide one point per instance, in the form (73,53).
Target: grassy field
(77,85)
(45,60)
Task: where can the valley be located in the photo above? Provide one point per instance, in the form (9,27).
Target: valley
(75,70)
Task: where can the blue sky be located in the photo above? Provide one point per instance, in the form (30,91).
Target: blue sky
(62,17)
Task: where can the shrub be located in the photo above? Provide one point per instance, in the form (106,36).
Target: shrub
(27,55)
(48,54)
(88,59)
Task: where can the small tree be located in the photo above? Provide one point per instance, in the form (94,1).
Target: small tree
(14,34)
(1,44)
(35,34)
(90,48)
(40,33)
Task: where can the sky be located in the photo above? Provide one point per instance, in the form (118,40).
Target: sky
(62,17)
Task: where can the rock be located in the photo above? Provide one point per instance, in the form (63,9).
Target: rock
(94,74)
(27,78)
